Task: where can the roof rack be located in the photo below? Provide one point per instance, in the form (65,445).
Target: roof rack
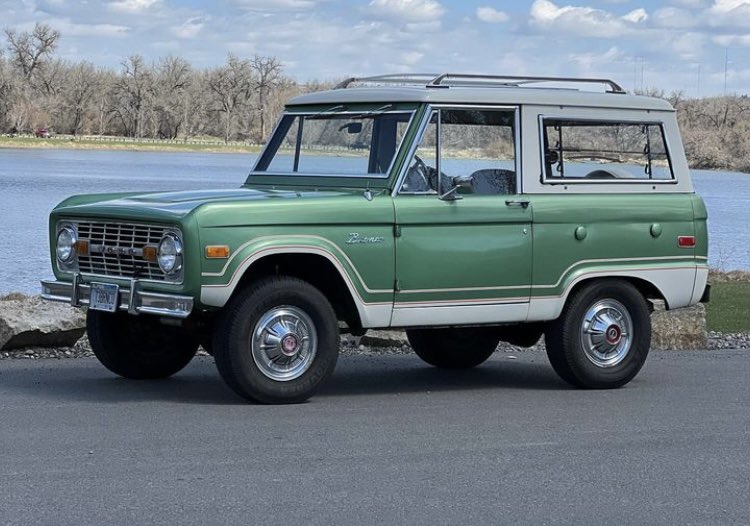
(446,80)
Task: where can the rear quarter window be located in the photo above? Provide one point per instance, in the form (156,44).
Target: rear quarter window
(604,151)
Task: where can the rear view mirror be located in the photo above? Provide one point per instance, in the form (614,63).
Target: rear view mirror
(352,127)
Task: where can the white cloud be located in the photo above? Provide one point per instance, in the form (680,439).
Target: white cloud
(589,61)
(68,28)
(583,21)
(674,17)
(274,5)
(690,4)
(636,16)
(189,29)
(726,6)
(687,46)
(410,10)
(411,57)
(491,15)
(728,13)
(133,6)
(732,40)
(424,27)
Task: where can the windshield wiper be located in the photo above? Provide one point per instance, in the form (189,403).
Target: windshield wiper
(377,111)
(328,111)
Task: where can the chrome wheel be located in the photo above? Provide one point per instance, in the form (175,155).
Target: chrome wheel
(606,333)
(284,343)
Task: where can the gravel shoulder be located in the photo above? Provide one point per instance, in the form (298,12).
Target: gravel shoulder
(349,347)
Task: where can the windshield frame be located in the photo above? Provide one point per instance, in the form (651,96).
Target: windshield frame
(333,179)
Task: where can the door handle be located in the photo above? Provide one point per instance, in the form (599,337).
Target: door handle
(523,203)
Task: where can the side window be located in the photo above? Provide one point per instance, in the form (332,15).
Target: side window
(586,150)
(471,149)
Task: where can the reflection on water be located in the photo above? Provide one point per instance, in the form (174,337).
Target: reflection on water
(32,182)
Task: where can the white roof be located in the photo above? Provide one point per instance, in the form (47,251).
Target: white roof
(491,95)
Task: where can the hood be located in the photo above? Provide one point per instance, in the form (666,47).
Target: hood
(174,206)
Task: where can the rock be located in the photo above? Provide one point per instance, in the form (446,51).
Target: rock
(679,329)
(32,322)
(385,339)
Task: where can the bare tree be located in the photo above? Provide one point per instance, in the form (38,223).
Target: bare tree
(132,93)
(104,96)
(173,78)
(82,84)
(268,76)
(231,86)
(29,50)
(6,93)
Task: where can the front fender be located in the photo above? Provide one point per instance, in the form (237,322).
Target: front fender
(373,304)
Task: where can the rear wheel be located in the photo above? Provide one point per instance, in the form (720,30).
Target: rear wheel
(603,336)
(277,341)
(139,347)
(454,348)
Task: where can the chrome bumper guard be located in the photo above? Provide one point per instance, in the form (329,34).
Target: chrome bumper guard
(132,300)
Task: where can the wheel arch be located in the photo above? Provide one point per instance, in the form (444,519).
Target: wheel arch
(662,284)
(317,269)
(314,265)
(647,289)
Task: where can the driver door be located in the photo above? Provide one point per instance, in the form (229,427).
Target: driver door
(463,253)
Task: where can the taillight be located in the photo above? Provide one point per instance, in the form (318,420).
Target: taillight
(686,241)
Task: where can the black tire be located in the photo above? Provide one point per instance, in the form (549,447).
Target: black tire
(235,351)
(139,347)
(605,354)
(522,335)
(454,348)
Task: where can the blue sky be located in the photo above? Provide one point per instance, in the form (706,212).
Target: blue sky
(668,44)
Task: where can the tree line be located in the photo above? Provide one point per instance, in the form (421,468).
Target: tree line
(167,99)
(241,99)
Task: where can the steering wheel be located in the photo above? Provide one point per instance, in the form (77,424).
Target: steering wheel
(422,170)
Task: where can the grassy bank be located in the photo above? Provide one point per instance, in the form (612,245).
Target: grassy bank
(123,143)
(729,308)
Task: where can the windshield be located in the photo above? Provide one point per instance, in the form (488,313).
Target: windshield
(335,142)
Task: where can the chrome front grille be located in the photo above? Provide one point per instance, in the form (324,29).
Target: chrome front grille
(116,249)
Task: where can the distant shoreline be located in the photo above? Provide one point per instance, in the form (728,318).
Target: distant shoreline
(163,145)
(125,144)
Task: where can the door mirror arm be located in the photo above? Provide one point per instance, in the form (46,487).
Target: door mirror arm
(460,181)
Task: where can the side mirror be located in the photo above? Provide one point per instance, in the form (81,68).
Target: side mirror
(460,181)
(463,181)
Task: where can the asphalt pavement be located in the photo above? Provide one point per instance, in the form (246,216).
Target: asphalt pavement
(388,441)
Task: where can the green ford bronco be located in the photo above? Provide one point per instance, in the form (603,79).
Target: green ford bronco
(465,209)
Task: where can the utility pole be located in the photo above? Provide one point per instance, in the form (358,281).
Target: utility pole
(726,67)
(699,81)
(643,66)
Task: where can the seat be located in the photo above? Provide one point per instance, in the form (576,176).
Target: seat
(494,181)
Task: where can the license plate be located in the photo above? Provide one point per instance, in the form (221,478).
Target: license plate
(104,297)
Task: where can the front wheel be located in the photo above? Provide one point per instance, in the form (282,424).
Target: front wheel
(454,348)
(139,347)
(277,341)
(603,336)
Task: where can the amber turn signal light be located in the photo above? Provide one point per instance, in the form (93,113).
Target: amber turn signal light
(149,253)
(217,251)
(82,247)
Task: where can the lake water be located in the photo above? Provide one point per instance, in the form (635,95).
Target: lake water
(32,182)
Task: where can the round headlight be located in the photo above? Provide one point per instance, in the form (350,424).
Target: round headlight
(169,254)
(66,240)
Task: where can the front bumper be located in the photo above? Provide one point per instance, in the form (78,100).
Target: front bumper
(131,300)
